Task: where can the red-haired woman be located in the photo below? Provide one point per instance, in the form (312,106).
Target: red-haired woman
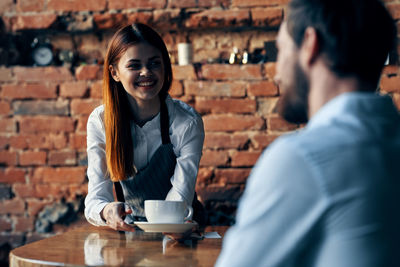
(141,139)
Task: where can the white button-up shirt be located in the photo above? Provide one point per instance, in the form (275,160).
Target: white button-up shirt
(187,136)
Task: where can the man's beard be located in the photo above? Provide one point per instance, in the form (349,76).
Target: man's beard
(293,103)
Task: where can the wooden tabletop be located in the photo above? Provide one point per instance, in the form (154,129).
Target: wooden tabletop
(100,246)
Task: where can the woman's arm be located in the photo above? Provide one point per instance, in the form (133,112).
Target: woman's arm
(188,152)
(100,191)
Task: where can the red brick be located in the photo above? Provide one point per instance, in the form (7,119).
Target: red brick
(127,4)
(267,17)
(33,237)
(204,175)
(231,72)
(88,72)
(183,72)
(96,90)
(4,141)
(40,141)
(6,6)
(261,141)
(231,123)
(5,224)
(270,70)
(40,124)
(6,74)
(182,3)
(76,5)
(276,123)
(29,158)
(224,140)
(36,205)
(188,99)
(226,105)
(29,90)
(390,84)
(267,106)
(245,158)
(219,18)
(8,158)
(73,89)
(253,3)
(40,74)
(213,3)
(231,176)
(77,141)
(262,88)
(82,123)
(176,88)
(12,175)
(394,10)
(140,17)
(75,191)
(208,88)
(166,19)
(30,5)
(219,192)
(62,157)
(7,125)
(63,175)
(4,108)
(18,141)
(12,206)
(39,191)
(84,106)
(23,224)
(33,22)
(214,158)
(41,107)
(107,20)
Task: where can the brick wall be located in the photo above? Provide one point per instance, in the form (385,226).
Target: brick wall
(44,110)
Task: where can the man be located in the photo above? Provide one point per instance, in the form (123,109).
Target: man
(327,195)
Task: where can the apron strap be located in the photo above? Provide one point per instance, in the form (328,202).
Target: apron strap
(164,122)
(164,126)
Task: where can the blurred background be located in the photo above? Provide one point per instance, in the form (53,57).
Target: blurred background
(51,55)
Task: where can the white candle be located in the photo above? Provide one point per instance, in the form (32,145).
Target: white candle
(184,54)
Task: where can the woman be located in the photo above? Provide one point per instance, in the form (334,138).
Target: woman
(148,144)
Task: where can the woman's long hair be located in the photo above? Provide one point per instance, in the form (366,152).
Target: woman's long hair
(117,114)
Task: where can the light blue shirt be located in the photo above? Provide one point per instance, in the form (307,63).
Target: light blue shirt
(327,195)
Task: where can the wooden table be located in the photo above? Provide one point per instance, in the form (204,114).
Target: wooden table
(99,246)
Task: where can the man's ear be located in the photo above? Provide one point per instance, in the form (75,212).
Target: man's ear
(114,73)
(309,50)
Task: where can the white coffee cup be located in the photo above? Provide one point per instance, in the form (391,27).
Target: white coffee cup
(166,211)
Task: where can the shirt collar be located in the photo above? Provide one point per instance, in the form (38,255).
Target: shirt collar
(360,103)
(155,122)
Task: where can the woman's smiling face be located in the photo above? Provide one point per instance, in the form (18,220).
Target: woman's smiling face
(141,71)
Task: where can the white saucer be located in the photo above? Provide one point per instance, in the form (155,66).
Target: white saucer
(165,227)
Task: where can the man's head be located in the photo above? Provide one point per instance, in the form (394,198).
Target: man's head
(353,39)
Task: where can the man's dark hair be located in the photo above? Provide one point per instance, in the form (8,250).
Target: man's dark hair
(355,36)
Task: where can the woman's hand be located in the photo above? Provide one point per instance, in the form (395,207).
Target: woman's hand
(114,214)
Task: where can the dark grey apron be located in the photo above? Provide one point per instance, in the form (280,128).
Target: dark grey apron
(154,181)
